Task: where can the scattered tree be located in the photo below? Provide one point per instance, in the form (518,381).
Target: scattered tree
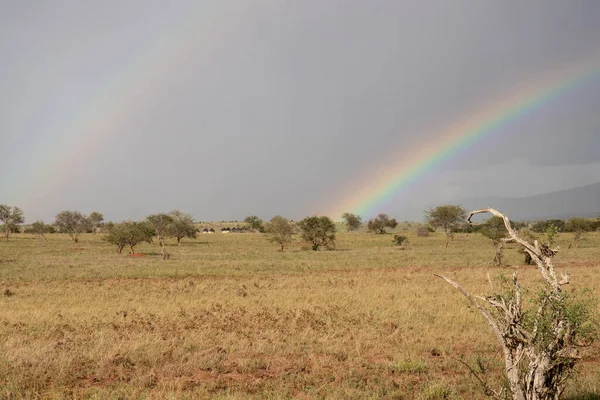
(320,231)
(72,222)
(129,233)
(11,218)
(400,240)
(577,225)
(494,229)
(447,217)
(255,223)
(353,221)
(540,345)
(380,223)
(279,230)
(182,225)
(160,223)
(40,228)
(96,220)
(551,233)
(543,226)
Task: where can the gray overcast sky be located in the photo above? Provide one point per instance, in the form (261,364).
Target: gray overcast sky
(228,108)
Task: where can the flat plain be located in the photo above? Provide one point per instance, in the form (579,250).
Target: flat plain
(232,317)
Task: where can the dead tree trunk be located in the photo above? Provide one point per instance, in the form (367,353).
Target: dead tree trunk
(539,354)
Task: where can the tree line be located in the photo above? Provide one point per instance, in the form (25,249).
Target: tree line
(319,232)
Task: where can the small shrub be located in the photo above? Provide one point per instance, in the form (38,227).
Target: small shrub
(551,232)
(400,240)
(409,367)
(437,392)
(379,224)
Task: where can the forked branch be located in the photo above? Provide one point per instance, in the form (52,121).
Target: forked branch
(540,353)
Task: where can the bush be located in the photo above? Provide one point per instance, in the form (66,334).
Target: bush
(319,231)
(72,222)
(379,224)
(129,233)
(353,221)
(255,223)
(447,217)
(400,240)
(279,230)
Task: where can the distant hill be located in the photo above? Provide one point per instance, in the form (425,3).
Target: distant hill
(581,201)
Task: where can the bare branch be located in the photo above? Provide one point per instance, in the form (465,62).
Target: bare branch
(486,388)
(541,254)
(537,360)
(565,279)
(474,301)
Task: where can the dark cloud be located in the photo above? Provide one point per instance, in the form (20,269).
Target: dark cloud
(272,107)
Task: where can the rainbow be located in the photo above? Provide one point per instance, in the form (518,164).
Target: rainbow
(99,116)
(393,179)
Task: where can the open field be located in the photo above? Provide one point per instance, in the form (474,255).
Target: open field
(229,316)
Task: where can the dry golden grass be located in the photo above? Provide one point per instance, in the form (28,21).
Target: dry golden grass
(231,317)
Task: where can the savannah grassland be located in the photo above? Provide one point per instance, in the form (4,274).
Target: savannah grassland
(231,317)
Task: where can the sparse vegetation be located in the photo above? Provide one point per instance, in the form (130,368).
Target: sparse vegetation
(254,223)
(96,220)
(380,223)
(129,233)
(73,223)
(40,228)
(230,317)
(279,230)
(353,221)
(182,225)
(11,217)
(160,223)
(319,231)
(495,230)
(400,240)
(577,226)
(446,217)
(539,336)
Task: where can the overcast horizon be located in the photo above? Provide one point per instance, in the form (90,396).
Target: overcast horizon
(225,109)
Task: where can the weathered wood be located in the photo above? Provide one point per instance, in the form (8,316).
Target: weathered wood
(534,370)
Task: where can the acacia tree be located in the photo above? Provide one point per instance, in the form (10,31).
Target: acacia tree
(72,222)
(539,341)
(255,223)
(96,219)
(494,229)
(446,217)
(380,223)
(129,233)
(577,225)
(279,230)
(353,221)
(181,225)
(160,223)
(320,231)
(40,228)
(11,218)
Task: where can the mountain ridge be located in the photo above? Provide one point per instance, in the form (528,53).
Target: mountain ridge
(583,201)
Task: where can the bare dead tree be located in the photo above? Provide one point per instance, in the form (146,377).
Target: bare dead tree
(540,348)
